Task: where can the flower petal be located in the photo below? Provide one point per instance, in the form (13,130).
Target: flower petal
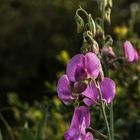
(129,51)
(74,62)
(79,123)
(92,64)
(88,101)
(64,89)
(136,56)
(89,136)
(108,89)
(91,95)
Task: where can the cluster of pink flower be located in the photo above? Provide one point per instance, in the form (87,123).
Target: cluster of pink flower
(80,81)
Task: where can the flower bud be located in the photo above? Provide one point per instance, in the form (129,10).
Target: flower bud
(80,23)
(99,30)
(108,52)
(108,14)
(92,26)
(110,3)
(93,45)
(94,48)
(131,53)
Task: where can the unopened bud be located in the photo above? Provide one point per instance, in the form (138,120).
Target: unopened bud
(85,48)
(108,14)
(110,3)
(108,52)
(80,23)
(99,30)
(93,45)
(92,26)
(94,48)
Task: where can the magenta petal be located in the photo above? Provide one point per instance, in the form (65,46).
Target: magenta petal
(64,89)
(136,56)
(74,62)
(92,64)
(88,102)
(108,89)
(130,53)
(91,95)
(79,123)
(89,136)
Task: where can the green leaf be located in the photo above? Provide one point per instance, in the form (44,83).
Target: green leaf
(41,127)
(27,134)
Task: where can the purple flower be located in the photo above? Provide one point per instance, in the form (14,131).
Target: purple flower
(131,53)
(81,67)
(64,89)
(107,87)
(89,136)
(68,90)
(79,123)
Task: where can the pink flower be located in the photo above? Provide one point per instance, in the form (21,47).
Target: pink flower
(79,68)
(107,87)
(131,53)
(80,121)
(82,66)
(64,89)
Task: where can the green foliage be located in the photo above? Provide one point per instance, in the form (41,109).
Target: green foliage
(26,134)
(41,127)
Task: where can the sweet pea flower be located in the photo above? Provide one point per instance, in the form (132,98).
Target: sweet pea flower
(89,136)
(81,67)
(79,123)
(107,87)
(131,53)
(64,89)
(67,90)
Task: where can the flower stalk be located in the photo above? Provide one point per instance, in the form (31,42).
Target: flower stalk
(111,129)
(103,111)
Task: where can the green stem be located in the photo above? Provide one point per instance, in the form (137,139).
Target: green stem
(96,131)
(103,19)
(7,126)
(111,121)
(103,13)
(111,130)
(103,111)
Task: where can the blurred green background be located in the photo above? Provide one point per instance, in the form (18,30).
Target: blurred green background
(37,38)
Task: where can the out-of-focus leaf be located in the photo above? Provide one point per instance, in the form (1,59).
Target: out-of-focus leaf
(26,134)
(14,99)
(1,136)
(41,127)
